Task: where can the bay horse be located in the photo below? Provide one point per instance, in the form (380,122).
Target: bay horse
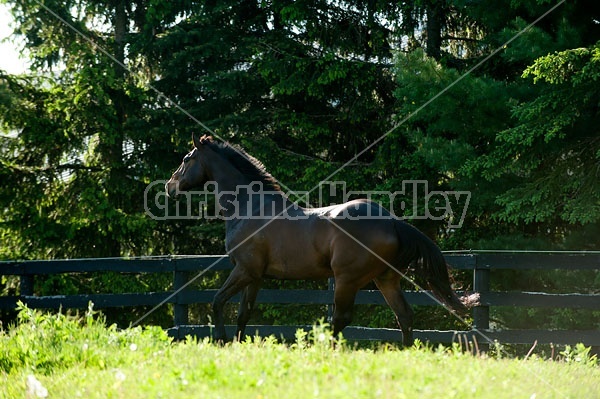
(269,236)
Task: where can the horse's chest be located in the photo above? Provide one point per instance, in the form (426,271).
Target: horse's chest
(240,235)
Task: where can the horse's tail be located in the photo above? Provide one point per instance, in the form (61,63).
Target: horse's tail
(431,266)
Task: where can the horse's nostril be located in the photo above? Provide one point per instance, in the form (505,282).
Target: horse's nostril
(172,189)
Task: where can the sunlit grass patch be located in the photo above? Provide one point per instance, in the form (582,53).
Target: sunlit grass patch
(61,356)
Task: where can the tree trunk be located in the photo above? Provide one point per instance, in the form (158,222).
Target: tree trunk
(111,140)
(435,22)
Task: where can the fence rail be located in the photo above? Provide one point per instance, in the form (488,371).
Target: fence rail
(480,264)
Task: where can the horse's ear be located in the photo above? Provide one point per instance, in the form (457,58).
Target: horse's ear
(202,140)
(196,141)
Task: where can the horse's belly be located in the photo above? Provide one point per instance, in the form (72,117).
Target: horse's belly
(296,263)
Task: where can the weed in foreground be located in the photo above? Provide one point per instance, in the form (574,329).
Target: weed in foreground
(42,342)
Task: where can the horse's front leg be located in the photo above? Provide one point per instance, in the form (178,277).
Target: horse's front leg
(246,305)
(237,280)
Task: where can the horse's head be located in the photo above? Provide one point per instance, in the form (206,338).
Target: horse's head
(191,173)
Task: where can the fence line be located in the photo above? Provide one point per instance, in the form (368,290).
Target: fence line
(480,263)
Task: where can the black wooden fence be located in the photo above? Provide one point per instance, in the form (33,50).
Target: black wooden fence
(182,295)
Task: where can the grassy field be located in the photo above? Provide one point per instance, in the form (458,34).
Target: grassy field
(58,356)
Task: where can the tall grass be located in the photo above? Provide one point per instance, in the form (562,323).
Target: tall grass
(66,356)
(44,343)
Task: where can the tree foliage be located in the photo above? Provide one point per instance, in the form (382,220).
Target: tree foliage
(554,148)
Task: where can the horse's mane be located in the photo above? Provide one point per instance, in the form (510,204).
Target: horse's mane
(245,163)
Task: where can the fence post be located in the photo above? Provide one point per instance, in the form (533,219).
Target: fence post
(180,310)
(481,285)
(26,285)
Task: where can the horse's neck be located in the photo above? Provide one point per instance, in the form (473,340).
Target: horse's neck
(225,175)
(244,203)
(237,193)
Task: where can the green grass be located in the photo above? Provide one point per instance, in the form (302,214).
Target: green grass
(58,356)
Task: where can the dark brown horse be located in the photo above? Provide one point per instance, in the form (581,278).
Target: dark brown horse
(268,236)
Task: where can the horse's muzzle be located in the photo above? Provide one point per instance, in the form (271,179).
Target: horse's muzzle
(172,189)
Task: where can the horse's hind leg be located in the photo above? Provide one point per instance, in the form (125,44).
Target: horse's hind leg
(343,299)
(389,285)
(246,305)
